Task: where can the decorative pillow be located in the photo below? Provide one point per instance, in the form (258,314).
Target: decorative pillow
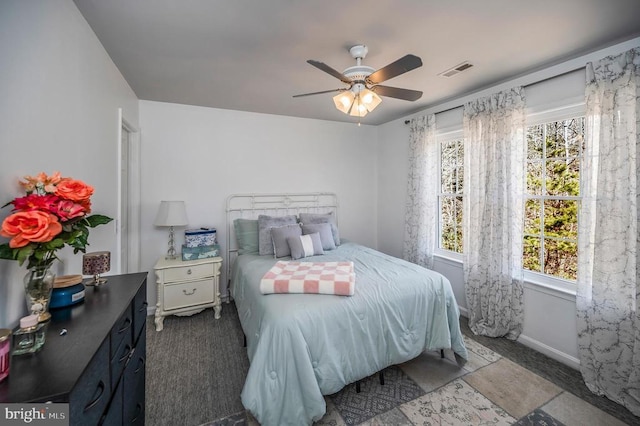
(305,245)
(313,218)
(324,229)
(265,223)
(279,237)
(246,235)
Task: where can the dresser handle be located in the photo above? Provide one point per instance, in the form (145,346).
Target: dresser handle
(140,365)
(188,271)
(98,394)
(127,353)
(138,412)
(143,307)
(125,326)
(189,294)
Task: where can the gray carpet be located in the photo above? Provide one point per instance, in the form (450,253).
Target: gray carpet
(196,368)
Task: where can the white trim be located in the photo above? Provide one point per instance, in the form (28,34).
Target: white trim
(134,195)
(538,346)
(550,352)
(450,257)
(463,311)
(551,290)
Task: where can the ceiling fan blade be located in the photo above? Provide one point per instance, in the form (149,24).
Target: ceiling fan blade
(319,93)
(326,68)
(398,93)
(394,69)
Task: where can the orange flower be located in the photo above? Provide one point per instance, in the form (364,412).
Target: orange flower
(48,183)
(74,190)
(31,226)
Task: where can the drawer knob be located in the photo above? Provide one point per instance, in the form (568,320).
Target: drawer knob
(188,271)
(186,293)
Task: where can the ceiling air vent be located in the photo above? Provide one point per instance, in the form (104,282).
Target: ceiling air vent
(457,69)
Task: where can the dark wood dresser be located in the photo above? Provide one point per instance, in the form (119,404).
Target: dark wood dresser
(98,366)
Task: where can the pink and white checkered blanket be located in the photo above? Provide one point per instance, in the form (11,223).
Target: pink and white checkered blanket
(310,277)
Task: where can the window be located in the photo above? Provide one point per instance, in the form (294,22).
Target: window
(554,154)
(451,189)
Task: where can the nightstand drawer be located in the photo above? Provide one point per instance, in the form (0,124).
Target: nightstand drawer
(188,294)
(185,273)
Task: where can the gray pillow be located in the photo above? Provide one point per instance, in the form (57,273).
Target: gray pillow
(324,229)
(279,237)
(265,223)
(305,245)
(313,218)
(246,235)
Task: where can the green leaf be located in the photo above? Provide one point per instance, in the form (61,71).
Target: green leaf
(24,253)
(97,219)
(7,252)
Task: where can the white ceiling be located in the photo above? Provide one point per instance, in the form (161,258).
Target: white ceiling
(250,55)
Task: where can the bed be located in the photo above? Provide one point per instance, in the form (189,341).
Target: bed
(304,346)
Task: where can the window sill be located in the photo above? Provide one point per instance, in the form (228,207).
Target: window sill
(551,286)
(532,281)
(451,258)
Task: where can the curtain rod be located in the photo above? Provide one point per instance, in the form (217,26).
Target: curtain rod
(525,86)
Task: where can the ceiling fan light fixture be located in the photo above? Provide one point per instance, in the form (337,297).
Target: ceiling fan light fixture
(344,100)
(358,109)
(370,99)
(357,104)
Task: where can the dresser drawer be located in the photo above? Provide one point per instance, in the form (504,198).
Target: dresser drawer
(188,294)
(139,311)
(185,273)
(122,332)
(92,392)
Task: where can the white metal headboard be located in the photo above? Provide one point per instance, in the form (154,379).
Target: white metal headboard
(250,206)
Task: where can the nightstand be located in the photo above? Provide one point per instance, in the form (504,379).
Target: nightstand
(187,287)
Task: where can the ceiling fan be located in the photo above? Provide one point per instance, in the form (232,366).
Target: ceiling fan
(364,91)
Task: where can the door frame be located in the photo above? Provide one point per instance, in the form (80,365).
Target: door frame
(134,191)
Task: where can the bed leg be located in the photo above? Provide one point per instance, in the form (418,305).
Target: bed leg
(381,376)
(441,353)
(357,386)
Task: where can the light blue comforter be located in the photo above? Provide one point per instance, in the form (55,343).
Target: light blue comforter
(303,346)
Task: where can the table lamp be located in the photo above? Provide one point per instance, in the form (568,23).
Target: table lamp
(170,214)
(96,263)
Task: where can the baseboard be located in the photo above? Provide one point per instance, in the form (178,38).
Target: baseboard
(550,352)
(540,347)
(151,310)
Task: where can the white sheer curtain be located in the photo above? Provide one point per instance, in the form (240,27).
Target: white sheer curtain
(422,189)
(609,256)
(493,212)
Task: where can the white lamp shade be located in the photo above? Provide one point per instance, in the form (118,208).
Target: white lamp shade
(171,213)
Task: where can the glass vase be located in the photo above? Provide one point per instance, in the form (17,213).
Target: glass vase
(38,284)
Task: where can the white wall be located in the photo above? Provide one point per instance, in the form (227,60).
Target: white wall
(203,155)
(549,324)
(59,99)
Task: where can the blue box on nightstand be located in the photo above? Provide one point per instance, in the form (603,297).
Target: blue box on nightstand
(200,252)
